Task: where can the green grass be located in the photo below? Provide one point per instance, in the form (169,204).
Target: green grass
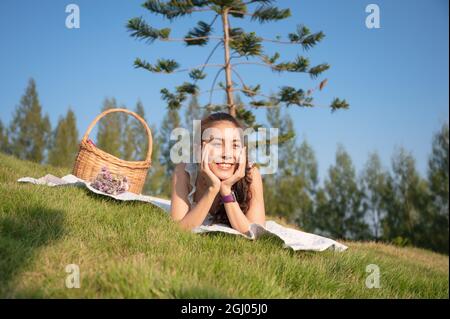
(133,250)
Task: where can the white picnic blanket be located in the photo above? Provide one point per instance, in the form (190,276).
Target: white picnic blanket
(292,238)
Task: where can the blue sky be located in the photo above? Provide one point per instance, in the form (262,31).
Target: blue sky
(395,78)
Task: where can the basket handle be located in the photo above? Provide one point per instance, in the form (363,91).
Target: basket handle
(140,119)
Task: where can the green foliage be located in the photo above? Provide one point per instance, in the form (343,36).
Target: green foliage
(265,2)
(174,8)
(438,181)
(134,136)
(174,101)
(187,88)
(317,70)
(271,59)
(29,131)
(245,116)
(235,32)
(157,183)
(438,170)
(197,74)
(202,30)
(290,95)
(247,44)
(170,121)
(340,208)
(339,104)
(251,91)
(267,13)
(4,143)
(64,144)
(193,112)
(109,134)
(290,192)
(161,66)
(374,185)
(142,31)
(304,37)
(406,200)
(300,64)
(283,189)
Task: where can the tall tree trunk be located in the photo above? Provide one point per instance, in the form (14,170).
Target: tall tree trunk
(229,85)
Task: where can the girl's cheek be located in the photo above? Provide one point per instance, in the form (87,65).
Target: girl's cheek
(213,153)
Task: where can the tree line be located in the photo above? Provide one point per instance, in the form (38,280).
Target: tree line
(392,204)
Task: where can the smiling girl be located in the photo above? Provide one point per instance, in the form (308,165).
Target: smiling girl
(224,187)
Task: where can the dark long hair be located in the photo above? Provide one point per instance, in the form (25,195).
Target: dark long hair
(242,187)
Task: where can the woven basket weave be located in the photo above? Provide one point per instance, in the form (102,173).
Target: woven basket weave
(91,159)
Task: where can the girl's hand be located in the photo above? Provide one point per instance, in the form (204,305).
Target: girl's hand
(225,186)
(212,180)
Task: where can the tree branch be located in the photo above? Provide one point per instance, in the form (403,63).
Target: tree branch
(257,63)
(253,92)
(240,12)
(199,66)
(213,90)
(190,39)
(214,83)
(256,1)
(279,41)
(242,82)
(215,47)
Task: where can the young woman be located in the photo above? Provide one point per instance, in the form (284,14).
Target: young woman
(224,188)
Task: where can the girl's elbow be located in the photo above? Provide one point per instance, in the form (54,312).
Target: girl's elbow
(182,224)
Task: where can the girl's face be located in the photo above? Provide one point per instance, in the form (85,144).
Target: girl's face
(225,145)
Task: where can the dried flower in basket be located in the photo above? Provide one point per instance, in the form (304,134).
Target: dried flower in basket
(109,183)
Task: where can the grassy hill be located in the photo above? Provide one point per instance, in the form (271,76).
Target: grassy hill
(134,250)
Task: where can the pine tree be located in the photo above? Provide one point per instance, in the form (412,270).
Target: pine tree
(128,143)
(135,141)
(237,44)
(283,188)
(29,131)
(140,135)
(286,140)
(438,170)
(157,183)
(407,206)
(373,181)
(109,135)
(64,146)
(306,169)
(340,205)
(4,144)
(170,122)
(193,112)
(291,193)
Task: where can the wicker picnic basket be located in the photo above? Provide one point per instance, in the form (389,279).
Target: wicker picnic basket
(91,159)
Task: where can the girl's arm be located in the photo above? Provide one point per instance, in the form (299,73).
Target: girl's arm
(180,212)
(255,213)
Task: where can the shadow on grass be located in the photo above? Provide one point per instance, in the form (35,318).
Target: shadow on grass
(22,232)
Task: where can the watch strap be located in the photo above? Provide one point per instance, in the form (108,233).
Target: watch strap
(228,198)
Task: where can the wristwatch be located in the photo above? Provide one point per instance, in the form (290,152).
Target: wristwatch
(228,198)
